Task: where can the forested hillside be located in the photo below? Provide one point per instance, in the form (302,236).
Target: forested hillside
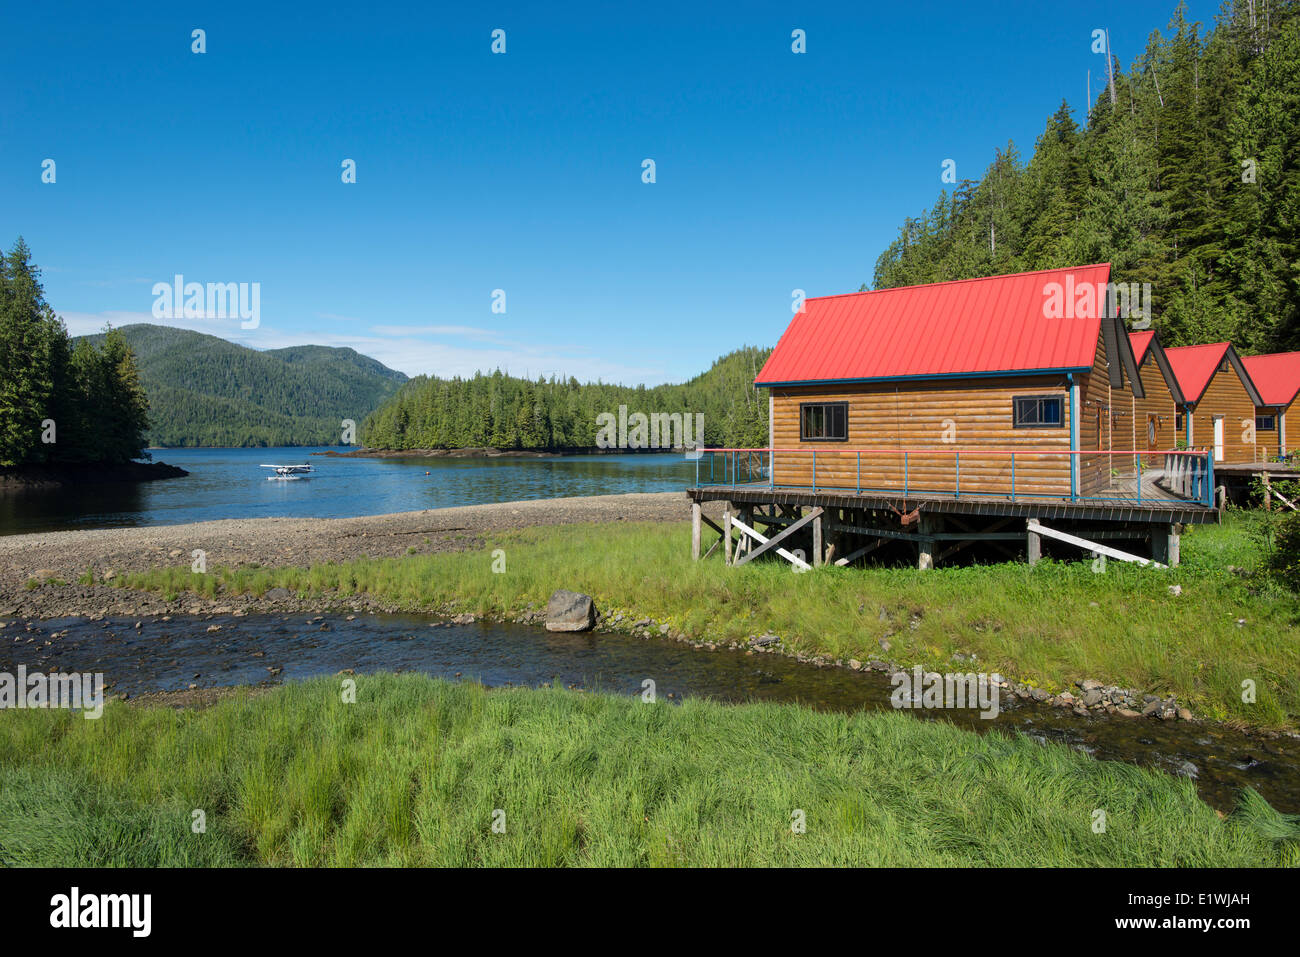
(206,391)
(1188,180)
(501,411)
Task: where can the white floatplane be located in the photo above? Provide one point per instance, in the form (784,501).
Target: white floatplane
(286,472)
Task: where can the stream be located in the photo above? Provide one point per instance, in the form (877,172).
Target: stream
(269,649)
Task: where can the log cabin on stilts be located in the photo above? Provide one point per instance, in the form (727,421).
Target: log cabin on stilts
(993,415)
(1277,378)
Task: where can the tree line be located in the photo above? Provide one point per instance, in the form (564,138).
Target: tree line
(61,404)
(1187,177)
(495,410)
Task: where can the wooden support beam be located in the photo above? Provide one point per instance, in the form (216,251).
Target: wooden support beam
(864,550)
(1097,547)
(925,543)
(1033,543)
(817,538)
(696,512)
(726,534)
(773,543)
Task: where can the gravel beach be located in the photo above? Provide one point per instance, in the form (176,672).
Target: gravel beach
(278,541)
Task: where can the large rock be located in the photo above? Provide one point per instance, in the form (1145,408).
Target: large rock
(570,611)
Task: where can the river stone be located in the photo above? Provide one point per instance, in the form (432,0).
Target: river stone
(570,611)
(1092,697)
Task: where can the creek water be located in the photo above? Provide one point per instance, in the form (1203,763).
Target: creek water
(166,655)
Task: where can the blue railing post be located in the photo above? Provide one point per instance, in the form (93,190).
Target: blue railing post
(814,488)
(904,475)
(859,473)
(697,473)
(956,493)
(771,468)
(1209,478)
(1013,476)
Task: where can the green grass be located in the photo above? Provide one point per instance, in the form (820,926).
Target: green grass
(1049,625)
(412,772)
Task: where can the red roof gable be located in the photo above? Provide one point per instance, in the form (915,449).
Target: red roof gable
(1141,342)
(1277,376)
(964,327)
(1194,366)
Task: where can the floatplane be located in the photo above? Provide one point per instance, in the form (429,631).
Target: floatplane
(287,472)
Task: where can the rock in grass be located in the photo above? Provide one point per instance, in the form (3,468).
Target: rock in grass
(570,611)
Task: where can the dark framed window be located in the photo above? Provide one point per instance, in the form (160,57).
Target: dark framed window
(1178,422)
(823,421)
(1264,423)
(1038,412)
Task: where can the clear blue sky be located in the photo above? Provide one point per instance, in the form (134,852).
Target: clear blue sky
(520,171)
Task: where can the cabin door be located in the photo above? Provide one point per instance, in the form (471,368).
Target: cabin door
(1218,438)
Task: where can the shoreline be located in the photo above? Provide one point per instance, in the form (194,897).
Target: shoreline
(19,478)
(66,554)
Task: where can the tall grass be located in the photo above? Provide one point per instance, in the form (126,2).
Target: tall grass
(1050,625)
(412,773)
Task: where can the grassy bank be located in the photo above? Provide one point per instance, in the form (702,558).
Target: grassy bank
(1050,625)
(413,771)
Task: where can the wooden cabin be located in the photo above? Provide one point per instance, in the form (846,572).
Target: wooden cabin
(1154,413)
(1277,377)
(931,388)
(1219,401)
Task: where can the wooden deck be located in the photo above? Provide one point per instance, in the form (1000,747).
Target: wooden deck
(1156,504)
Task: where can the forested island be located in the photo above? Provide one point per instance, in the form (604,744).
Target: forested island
(66,411)
(504,412)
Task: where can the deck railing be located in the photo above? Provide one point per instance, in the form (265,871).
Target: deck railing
(1096,475)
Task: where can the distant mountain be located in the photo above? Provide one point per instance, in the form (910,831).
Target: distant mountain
(206,391)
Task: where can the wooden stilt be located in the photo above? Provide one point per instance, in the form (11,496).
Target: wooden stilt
(726,534)
(696,511)
(1033,543)
(925,544)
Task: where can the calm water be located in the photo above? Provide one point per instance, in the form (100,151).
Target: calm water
(227,483)
(168,655)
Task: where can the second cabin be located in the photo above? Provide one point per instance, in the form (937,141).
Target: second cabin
(1018,385)
(1217,409)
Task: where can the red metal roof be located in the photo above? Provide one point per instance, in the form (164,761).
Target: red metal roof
(1141,342)
(964,327)
(1277,376)
(1194,366)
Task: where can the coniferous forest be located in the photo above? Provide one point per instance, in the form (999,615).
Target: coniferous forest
(60,404)
(1187,178)
(505,412)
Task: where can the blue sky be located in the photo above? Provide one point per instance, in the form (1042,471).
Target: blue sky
(520,171)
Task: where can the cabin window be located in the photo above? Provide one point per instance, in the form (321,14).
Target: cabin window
(823,421)
(1038,412)
(1178,422)
(1264,423)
